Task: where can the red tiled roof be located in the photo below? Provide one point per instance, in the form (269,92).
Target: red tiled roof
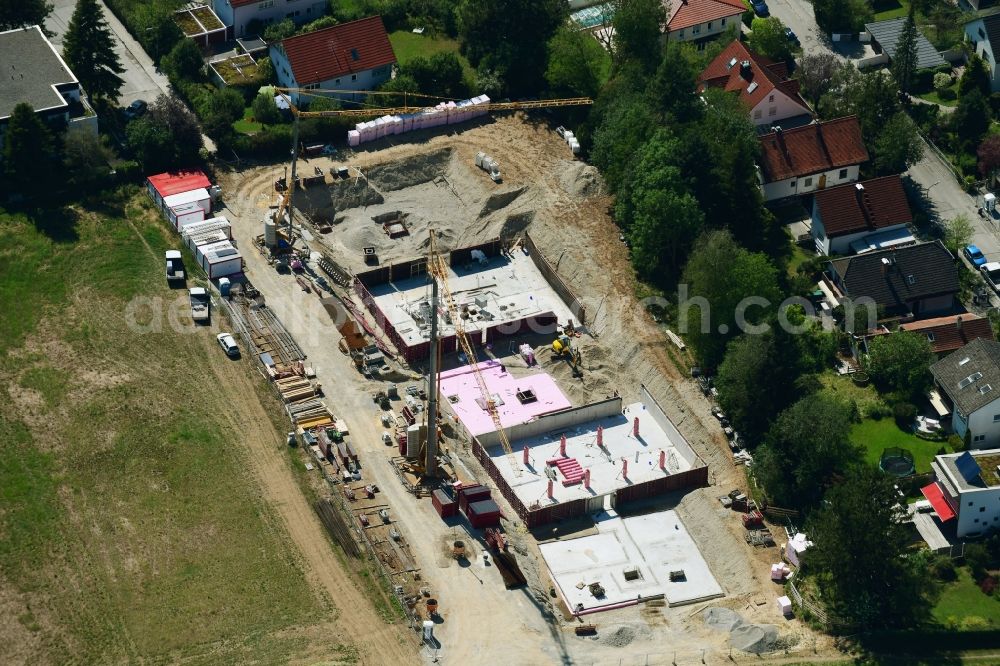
(948,336)
(178,182)
(342,49)
(936,497)
(687,13)
(811,149)
(880,203)
(727,72)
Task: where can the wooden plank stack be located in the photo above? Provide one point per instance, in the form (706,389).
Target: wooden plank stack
(293,389)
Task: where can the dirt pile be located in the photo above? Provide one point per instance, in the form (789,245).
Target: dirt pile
(501,200)
(581,180)
(624,634)
(410,171)
(743,635)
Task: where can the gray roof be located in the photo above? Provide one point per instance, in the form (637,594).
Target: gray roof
(887,33)
(970,375)
(29,70)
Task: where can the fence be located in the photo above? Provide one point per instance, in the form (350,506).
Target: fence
(545,268)
(821,614)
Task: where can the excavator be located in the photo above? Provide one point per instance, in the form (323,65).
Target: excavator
(562,348)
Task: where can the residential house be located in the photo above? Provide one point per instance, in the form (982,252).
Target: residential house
(966,490)
(35,73)
(983,34)
(809,158)
(701,20)
(846,216)
(885,36)
(350,56)
(969,379)
(762,85)
(946,334)
(913,282)
(240,15)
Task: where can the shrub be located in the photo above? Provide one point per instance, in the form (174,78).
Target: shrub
(879,411)
(904,413)
(947,94)
(942,568)
(988,585)
(977,558)
(941,80)
(974,623)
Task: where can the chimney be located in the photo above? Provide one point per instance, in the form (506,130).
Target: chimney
(885,265)
(859,193)
(745,70)
(958,324)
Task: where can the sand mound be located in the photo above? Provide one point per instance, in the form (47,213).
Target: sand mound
(581,180)
(501,200)
(722,619)
(515,224)
(624,634)
(410,171)
(754,638)
(324,203)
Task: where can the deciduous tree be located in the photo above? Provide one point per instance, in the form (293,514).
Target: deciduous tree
(989,155)
(860,558)
(672,91)
(441,74)
(975,77)
(576,63)
(89,49)
(958,233)
(627,124)
(815,74)
(900,362)
(768,38)
(808,445)
(637,29)
(842,15)
(971,120)
(265,110)
(168,136)
(898,146)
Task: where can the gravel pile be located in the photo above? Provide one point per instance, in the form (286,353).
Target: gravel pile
(743,635)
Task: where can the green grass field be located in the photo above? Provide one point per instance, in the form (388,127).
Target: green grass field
(408,45)
(961,601)
(130,527)
(246,124)
(876,436)
(933,96)
(865,397)
(890,9)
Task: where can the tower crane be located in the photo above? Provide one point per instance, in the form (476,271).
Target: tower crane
(372,111)
(438,269)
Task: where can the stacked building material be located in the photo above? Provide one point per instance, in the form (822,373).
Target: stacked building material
(485,513)
(444,504)
(294,389)
(309,413)
(570,468)
(469,494)
(445,113)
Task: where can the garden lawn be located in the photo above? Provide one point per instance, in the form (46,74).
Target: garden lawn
(890,9)
(962,600)
(409,45)
(933,96)
(246,124)
(865,397)
(875,436)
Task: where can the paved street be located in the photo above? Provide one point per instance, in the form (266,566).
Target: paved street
(798,15)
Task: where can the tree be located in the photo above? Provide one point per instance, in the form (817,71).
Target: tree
(806,449)
(989,156)
(661,216)
(576,63)
(958,233)
(672,91)
(871,96)
(975,77)
(89,49)
(720,276)
(29,155)
(971,120)
(904,60)
(511,38)
(627,124)
(815,74)
(22,13)
(87,159)
(898,146)
(275,32)
(637,29)
(265,110)
(756,381)
(768,38)
(440,75)
(900,362)
(184,62)
(842,15)
(167,137)
(155,27)
(151,144)
(860,554)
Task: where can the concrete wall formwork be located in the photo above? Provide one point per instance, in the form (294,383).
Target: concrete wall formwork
(558,285)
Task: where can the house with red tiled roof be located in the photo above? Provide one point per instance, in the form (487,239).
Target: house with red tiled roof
(698,20)
(240,16)
(809,158)
(946,334)
(762,85)
(351,56)
(845,215)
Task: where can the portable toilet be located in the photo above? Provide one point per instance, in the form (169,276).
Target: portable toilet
(224,285)
(990,202)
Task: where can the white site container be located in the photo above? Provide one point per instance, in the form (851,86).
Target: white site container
(220,259)
(199,196)
(184,214)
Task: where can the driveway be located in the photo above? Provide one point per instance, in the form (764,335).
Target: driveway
(798,15)
(142,80)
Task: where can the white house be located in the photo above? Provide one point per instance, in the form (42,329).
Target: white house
(237,15)
(809,158)
(970,380)
(845,214)
(762,85)
(967,490)
(700,20)
(34,73)
(984,36)
(350,56)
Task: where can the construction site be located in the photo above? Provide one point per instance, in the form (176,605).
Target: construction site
(488,412)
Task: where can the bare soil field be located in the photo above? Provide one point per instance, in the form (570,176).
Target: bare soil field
(432,180)
(148,510)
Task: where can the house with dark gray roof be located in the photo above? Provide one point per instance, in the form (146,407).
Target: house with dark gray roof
(33,72)
(983,34)
(969,380)
(885,36)
(913,282)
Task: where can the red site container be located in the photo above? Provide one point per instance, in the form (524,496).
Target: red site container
(470,494)
(443,504)
(485,513)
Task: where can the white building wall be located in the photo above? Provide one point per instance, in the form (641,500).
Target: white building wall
(975,32)
(791,187)
(364,80)
(268,11)
(982,423)
(703,30)
(820,238)
(978,511)
(776,107)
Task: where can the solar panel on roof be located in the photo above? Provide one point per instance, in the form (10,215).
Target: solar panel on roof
(968,467)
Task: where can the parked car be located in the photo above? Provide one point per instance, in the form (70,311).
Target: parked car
(136,109)
(791,36)
(991,272)
(228,344)
(974,255)
(760,8)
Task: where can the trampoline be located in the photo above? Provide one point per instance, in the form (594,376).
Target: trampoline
(897,462)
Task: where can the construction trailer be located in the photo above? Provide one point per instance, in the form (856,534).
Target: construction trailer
(163,185)
(220,259)
(188,207)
